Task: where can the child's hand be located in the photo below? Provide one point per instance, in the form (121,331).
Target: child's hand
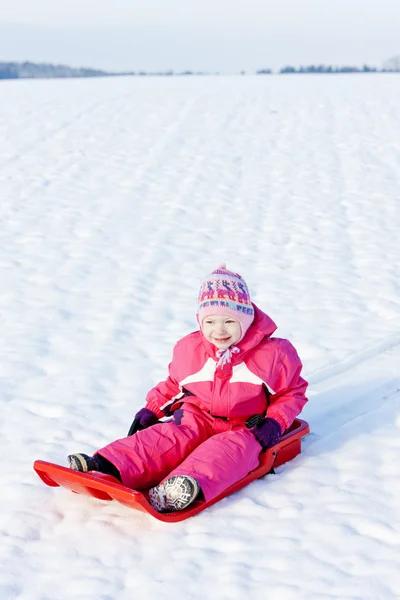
(143,419)
(268,432)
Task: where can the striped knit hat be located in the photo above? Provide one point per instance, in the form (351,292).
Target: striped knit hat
(226,293)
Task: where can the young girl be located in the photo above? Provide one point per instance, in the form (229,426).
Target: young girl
(232,391)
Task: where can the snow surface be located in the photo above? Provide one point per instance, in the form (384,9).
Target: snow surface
(116,197)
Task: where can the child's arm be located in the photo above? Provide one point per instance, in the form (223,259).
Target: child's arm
(289,387)
(164,391)
(162,394)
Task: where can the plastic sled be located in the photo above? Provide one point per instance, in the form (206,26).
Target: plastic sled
(106,487)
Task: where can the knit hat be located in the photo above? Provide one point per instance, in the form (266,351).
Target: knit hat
(226,293)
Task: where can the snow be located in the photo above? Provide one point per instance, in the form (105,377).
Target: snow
(117,197)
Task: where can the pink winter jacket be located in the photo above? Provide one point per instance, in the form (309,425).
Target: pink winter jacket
(263,378)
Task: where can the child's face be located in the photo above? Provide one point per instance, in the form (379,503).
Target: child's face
(221,331)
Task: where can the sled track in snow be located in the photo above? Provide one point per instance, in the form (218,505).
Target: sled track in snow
(356,359)
(356,388)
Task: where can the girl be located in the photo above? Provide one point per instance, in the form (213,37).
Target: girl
(232,391)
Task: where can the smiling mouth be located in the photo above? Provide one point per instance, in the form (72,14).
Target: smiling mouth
(225,339)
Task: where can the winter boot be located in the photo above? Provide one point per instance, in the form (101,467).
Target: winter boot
(85,463)
(82,462)
(176,493)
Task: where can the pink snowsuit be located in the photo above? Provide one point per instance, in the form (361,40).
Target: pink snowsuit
(207,438)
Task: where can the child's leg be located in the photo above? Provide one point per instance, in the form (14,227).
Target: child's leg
(148,456)
(221,461)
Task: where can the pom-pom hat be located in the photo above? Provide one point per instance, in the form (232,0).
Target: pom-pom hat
(224,292)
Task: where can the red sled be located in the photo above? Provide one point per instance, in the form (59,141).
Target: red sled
(106,487)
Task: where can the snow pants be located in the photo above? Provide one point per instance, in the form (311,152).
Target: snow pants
(217,453)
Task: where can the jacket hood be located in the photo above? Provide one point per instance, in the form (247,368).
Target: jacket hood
(261,327)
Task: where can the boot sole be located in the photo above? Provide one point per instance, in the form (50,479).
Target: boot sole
(176,493)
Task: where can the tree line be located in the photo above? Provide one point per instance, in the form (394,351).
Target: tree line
(389,67)
(30,70)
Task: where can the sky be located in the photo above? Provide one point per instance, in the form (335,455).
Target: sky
(202,35)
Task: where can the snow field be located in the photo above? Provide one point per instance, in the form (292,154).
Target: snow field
(117,197)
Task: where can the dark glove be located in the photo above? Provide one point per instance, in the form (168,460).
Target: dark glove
(143,419)
(267,431)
